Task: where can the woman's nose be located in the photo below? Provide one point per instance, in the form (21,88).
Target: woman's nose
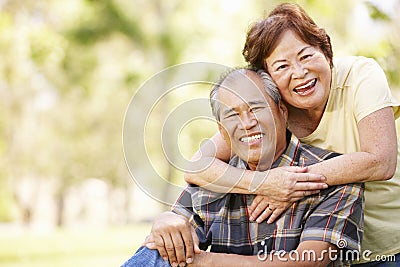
(299,70)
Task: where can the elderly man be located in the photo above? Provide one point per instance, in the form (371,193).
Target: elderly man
(317,230)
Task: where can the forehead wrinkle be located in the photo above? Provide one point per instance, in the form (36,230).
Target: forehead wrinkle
(252,80)
(260,95)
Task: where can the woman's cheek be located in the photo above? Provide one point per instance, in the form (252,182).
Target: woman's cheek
(281,81)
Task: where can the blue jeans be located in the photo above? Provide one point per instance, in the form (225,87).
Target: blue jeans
(395,263)
(145,257)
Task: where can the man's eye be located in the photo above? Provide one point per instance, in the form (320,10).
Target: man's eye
(255,109)
(231,115)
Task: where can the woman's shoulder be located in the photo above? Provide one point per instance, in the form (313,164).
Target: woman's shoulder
(347,68)
(351,61)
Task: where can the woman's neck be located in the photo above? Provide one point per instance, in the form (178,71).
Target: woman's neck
(303,122)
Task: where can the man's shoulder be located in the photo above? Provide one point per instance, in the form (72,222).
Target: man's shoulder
(310,154)
(355,189)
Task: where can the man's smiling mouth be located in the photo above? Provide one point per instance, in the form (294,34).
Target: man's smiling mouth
(248,139)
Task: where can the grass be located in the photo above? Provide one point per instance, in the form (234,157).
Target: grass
(71,247)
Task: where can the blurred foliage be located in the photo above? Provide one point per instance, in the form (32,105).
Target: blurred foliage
(387,49)
(375,13)
(69,68)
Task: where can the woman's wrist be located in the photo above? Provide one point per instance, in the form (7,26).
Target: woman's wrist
(258,182)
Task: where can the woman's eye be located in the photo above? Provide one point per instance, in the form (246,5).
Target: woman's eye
(305,56)
(281,67)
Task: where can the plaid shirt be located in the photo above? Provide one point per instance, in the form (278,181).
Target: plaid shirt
(222,220)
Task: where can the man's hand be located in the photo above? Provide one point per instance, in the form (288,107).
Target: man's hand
(174,238)
(290,184)
(263,207)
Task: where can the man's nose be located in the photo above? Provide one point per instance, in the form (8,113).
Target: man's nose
(248,120)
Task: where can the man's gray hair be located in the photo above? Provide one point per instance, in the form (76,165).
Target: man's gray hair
(269,86)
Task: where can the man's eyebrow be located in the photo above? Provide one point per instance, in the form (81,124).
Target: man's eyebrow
(226,112)
(250,104)
(257,102)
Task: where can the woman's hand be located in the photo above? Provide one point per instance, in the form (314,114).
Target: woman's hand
(264,207)
(174,238)
(289,184)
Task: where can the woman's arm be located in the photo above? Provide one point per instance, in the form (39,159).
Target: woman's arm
(377,159)
(209,169)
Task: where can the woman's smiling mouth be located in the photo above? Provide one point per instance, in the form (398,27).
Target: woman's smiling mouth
(306,88)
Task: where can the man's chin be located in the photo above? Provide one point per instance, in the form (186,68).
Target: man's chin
(265,161)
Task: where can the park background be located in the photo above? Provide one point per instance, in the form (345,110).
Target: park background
(68,70)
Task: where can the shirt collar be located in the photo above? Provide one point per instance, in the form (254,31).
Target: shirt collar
(289,157)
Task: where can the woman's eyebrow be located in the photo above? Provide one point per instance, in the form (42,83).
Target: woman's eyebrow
(284,60)
(303,49)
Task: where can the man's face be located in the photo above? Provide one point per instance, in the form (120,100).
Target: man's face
(250,121)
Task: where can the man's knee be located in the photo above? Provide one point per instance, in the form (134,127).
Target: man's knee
(146,257)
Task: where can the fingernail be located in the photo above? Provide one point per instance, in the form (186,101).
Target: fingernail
(165,258)
(189,260)
(325,186)
(251,218)
(323,178)
(174,264)
(182,264)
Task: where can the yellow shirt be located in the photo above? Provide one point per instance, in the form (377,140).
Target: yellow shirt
(359,87)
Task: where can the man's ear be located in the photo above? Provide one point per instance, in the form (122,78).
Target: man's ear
(224,133)
(283,109)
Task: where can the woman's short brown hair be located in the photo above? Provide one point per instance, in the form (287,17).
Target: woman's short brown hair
(263,36)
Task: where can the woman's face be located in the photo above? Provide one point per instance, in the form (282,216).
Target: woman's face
(301,72)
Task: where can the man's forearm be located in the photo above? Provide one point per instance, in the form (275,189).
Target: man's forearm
(323,252)
(233,260)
